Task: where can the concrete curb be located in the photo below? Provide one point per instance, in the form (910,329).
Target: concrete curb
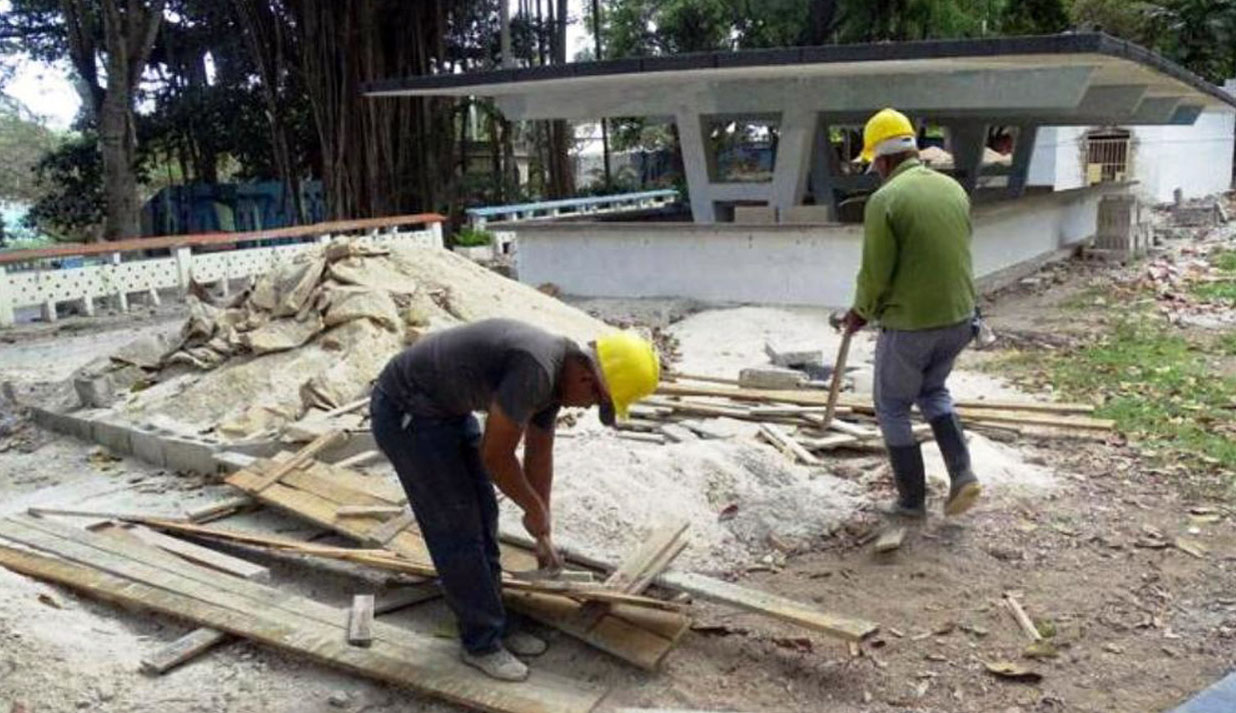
(160,449)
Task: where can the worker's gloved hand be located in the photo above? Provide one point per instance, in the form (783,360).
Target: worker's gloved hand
(852,322)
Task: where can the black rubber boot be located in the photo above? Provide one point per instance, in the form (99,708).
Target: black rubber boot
(911,481)
(964,489)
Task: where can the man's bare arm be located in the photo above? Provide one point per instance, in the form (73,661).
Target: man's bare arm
(502,436)
(539,460)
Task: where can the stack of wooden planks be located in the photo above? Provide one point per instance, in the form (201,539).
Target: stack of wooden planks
(135,574)
(794,420)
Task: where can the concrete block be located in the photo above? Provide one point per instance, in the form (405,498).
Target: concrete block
(783,356)
(79,427)
(188,455)
(755,214)
(95,392)
(1201,216)
(148,447)
(773,377)
(113,436)
(806,215)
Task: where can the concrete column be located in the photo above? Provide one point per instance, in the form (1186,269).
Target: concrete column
(1027,134)
(793,160)
(184,267)
(7,316)
(967,142)
(152,295)
(325,238)
(88,305)
(122,298)
(824,166)
(49,311)
(435,233)
(696,160)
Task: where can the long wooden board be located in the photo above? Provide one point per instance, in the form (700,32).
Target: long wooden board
(635,634)
(287,622)
(769,605)
(809,397)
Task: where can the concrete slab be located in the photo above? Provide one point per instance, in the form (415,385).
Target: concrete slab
(148,447)
(188,455)
(113,436)
(1219,698)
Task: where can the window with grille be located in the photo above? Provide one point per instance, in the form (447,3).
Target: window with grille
(1107,156)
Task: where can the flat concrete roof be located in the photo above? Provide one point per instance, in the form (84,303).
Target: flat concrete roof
(1057,79)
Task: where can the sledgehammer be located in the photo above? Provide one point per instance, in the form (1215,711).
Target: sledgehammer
(834,389)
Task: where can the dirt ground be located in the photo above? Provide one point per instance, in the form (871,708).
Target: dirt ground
(1138,626)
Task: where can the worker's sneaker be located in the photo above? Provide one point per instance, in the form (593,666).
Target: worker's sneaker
(962,495)
(521,643)
(500,665)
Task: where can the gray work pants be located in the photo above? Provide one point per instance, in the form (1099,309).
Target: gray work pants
(910,369)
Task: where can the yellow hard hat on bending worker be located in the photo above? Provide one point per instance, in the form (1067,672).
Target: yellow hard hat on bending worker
(888,132)
(630,368)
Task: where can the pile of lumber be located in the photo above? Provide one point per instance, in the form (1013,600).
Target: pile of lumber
(796,420)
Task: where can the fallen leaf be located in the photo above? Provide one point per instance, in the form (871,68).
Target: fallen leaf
(795,643)
(728,512)
(1040,650)
(1013,672)
(49,601)
(1191,547)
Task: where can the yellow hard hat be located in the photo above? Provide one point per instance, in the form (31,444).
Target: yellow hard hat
(886,124)
(631,369)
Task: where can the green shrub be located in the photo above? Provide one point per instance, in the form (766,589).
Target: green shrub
(471,237)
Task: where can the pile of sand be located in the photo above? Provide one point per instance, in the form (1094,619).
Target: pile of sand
(314,333)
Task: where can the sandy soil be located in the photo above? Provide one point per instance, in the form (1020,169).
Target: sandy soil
(1138,628)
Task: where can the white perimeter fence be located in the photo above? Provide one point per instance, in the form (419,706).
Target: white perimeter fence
(83,273)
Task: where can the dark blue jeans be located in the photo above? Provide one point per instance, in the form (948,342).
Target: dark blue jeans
(439,464)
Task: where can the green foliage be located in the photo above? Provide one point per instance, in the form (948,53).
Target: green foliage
(23,141)
(1034,17)
(1200,34)
(471,237)
(71,177)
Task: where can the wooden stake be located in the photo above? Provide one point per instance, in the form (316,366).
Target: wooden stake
(1023,620)
(787,445)
(360,621)
(323,442)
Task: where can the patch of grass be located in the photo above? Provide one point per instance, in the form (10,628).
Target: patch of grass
(1155,384)
(1226,344)
(1225,261)
(1217,291)
(1083,299)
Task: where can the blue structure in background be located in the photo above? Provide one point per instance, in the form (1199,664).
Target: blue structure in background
(228,208)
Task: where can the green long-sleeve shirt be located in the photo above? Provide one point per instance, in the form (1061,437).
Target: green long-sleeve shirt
(916,271)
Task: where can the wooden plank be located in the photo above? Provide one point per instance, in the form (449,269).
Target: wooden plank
(786,444)
(188,647)
(638,634)
(657,566)
(769,605)
(94,514)
(319,444)
(392,527)
(203,555)
(405,597)
(213,510)
(360,621)
(1070,422)
(362,458)
(809,397)
(661,540)
(369,510)
(411,660)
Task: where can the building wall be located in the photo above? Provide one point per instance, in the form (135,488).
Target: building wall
(773,264)
(1196,158)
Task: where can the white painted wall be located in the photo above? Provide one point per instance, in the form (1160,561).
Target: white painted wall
(774,264)
(1196,158)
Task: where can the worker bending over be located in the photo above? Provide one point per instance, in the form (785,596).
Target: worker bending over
(422,419)
(916,283)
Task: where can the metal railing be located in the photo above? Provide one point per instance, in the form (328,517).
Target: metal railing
(546,210)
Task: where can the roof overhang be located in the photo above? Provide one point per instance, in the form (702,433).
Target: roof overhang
(1058,79)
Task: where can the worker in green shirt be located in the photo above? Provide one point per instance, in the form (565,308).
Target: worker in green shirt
(916,283)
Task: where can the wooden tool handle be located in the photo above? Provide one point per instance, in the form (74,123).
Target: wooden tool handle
(838,370)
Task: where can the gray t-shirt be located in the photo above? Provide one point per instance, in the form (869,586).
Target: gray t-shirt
(464,369)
